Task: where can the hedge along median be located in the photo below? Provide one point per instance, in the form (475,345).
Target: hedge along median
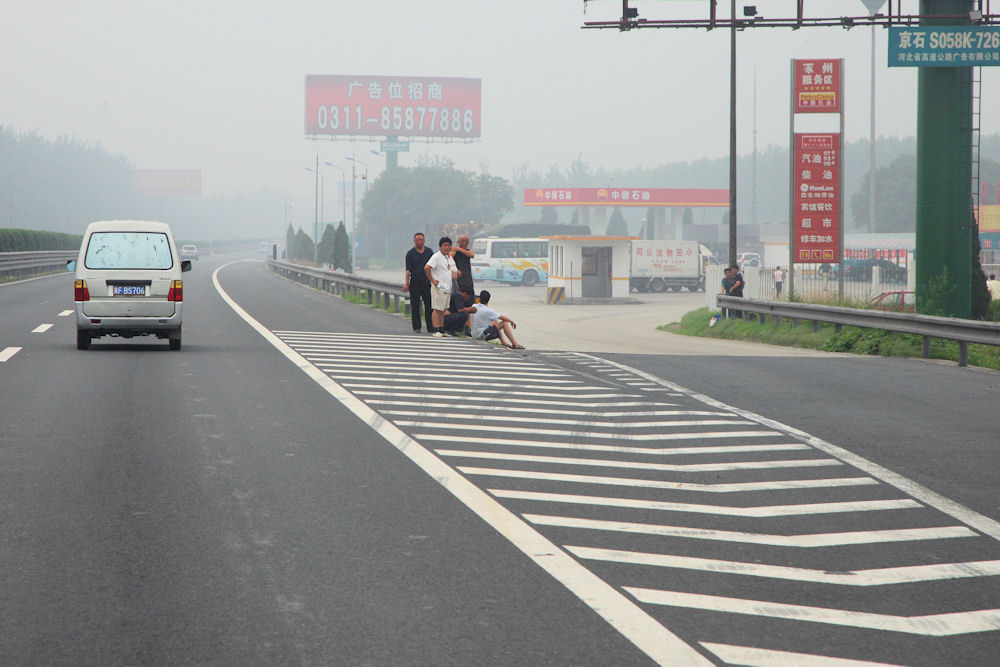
(25,240)
(849,339)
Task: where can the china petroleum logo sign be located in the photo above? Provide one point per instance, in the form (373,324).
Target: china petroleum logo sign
(602,195)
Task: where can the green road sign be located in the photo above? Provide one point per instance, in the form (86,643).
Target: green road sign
(391,146)
(944,46)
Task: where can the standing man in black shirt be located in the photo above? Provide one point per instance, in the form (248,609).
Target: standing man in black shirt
(416,282)
(463,256)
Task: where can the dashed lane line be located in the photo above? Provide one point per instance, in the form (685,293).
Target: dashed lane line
(933,625)
(41,328)
(876,577)
(66,313)
(8,352)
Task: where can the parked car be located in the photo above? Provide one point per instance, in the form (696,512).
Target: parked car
(899,300)
(128,282)
(189,252)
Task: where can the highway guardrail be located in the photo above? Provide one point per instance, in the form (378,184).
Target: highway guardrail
(926,326)
(24,264)
(387,294)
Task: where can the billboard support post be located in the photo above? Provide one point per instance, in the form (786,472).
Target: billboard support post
(732,139)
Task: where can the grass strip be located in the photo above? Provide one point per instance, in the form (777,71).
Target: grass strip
(849,339)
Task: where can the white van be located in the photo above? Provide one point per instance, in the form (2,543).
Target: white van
(128,282)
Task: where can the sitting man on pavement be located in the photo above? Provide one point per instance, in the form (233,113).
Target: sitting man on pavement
(488,324)
(462,306)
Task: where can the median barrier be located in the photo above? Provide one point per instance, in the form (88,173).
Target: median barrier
(31,263)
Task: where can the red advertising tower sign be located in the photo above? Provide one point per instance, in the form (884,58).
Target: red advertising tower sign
(816,198)
(816,85)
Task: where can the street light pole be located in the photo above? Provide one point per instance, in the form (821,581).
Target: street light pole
(873,6)
(354,201)
(343,190)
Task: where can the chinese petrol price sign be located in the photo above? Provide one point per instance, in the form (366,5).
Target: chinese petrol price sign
(817,86)
(393,106)
(816,198)
(939,46)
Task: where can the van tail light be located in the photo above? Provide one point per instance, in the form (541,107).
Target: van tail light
(80,291)
(176,292)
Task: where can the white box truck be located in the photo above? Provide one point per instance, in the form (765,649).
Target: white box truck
(661,265)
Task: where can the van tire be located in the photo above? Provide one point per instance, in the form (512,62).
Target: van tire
(175,340)
(529,278)
(82,339)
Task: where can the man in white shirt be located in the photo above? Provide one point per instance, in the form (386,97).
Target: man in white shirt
(488,324)
(439,272)
(779,279)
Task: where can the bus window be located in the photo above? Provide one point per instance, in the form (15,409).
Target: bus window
(504,249)
(479,246)
(533,249)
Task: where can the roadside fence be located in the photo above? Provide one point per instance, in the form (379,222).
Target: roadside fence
(388,295)
(25,264)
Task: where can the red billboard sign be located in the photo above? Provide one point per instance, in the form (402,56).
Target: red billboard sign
(625,197)
(817,86)
(816,198)
(393,106)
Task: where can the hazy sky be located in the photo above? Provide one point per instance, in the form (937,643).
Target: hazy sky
(218,85)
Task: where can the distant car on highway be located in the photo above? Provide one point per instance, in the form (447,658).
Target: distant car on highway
(128,282)
(899,300)
(189,252)
(745,259)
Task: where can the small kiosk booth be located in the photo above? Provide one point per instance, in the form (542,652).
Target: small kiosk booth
(589,269)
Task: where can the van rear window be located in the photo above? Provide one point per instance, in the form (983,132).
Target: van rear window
(128,250)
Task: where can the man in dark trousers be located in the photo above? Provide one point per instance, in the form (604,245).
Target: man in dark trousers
(463,261)
(416,282)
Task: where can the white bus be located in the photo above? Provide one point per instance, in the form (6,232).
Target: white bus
(523,261)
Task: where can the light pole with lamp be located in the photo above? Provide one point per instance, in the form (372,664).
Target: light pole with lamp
(873,6)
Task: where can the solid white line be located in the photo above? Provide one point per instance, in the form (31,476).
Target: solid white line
(922,493)
(529,417)
(656,451)
(805,541)
(430,377)
(8,352)
(641,465)
(617,436)
(28,280)
(520,409)
(887,576)
(66,313)
(495,398)
(41,328)
(672,485)
(934,625)
(763,511)
(759,657)
(495,392)
(661,645)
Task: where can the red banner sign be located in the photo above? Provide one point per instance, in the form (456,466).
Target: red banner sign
(817,86)
(393,106)
(816,198)
(625,197)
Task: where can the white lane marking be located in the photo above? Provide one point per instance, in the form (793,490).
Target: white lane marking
(491,395)
(41,328)
(395,369)
(876,577)
(394,351)
(529,418)
(66,313)
(28,280)
(429,377)
(933,625)
(520,409)
(641,465)
(501,399)
(805,541)
(431,366)
(8,352)
(422,381)
(762,511)
(619,436)
(654,639)
(747,656)
(672,485)
(656,451)
(922,493)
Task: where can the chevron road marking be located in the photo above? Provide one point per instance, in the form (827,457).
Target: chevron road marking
(570,422)
(520,409)
(808,540)
(875,577)
(424,376)
(759,657)
(492,394)
(621,436)
(933,625)
(656,451)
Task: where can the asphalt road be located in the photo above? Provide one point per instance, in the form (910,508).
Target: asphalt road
(218,505)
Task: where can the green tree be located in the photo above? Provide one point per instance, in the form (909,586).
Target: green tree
(895,197)
(617,225)
(980,295)
(326,245)
(496,198)
(303,246)
(290,242)
(342,249)
(549,215)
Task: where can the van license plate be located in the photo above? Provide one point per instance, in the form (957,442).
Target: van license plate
(128,290)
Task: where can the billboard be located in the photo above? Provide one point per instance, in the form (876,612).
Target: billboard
(817,86)
(168,182)
(625,197)
(942,46)
(816,198)
(408,106)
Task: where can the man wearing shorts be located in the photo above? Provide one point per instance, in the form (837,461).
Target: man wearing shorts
(488,324)
(439,271)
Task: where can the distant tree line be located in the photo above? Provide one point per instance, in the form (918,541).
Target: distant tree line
(23,240)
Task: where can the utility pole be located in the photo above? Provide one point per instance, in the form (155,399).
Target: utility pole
(316,220)
(732,137)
